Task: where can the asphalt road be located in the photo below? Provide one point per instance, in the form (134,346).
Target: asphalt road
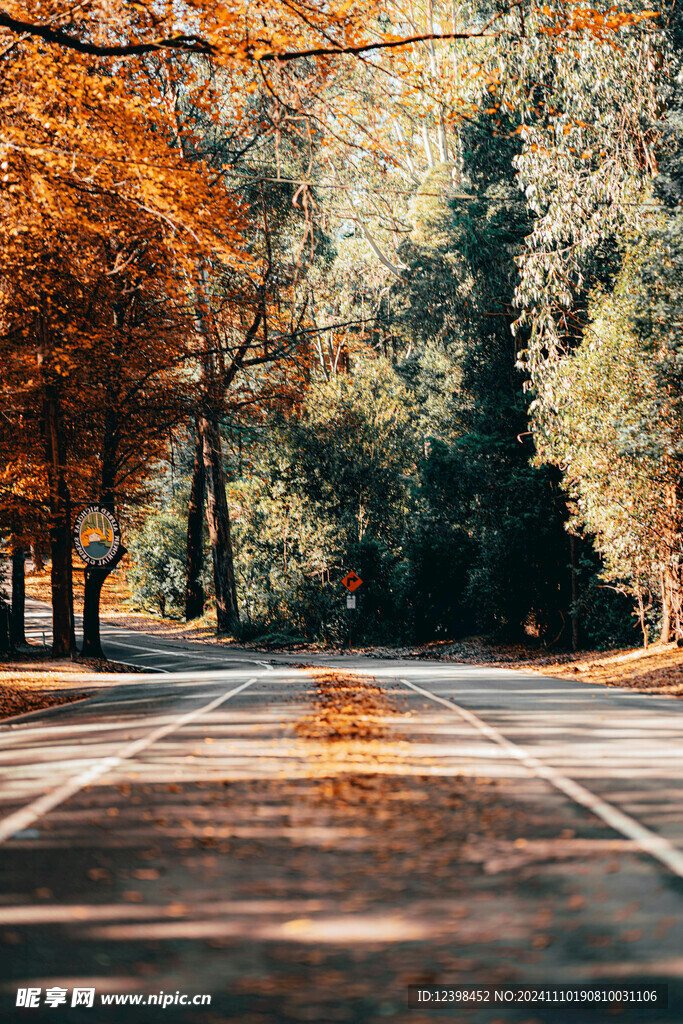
(209,829)
(142,650)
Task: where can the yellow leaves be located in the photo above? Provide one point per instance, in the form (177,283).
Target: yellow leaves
(588,21)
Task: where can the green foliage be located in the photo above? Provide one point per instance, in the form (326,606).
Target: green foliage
(418,476)
(606,613)
(157,572)
(606,398)
(333,495)
(591,136)
(487,543)
(421,472)
(617,424)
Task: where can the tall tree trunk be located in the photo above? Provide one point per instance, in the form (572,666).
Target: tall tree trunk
(573,549)
(194,590)
(63,635)
(4,628)
(217,383)
(641,617)
(665,634)
(672,601)
(37,558)
(17,620)
(670,571)
(95,576)
(218,521)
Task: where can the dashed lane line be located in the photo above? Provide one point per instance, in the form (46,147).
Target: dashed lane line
(43,805)
(649,842)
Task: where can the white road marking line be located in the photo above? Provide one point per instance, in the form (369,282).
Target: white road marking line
(44,804)
(155,650)
(204,655)
(649,842)
(148,668)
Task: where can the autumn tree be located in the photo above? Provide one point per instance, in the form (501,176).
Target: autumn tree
(88,196)
(99,174)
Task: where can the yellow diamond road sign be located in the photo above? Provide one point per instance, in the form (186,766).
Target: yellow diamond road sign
(351,581)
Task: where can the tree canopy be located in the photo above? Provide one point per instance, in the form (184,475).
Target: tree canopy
(394,285)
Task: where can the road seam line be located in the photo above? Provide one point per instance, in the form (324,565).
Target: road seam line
(43,805)
(649,842)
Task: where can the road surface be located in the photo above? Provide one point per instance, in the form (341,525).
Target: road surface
(297,847)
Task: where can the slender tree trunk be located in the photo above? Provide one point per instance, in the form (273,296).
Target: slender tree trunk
(4,628)
(665,634)
(573,546)
(670,572)
(641,617)
(218,521)
(672,600)
(217,514)
(95,577)
(63,635)
(194,591)
(37,558)
(17,621)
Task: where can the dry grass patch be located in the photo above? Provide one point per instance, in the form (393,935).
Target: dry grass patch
(115,592)
(659,669)
(116,607)
(201,630)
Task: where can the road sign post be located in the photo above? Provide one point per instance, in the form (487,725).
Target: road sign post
(352,582)
(97,536)
(97,539)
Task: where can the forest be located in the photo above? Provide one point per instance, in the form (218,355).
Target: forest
(298,288)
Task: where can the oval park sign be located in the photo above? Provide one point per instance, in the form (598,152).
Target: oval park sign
(97,535)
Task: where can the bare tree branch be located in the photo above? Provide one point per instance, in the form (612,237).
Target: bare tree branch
(196,44)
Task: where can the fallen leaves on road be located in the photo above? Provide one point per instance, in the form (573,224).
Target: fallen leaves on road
(31,680)
(31,686)
(659,669)
(345,708)
(317,886)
